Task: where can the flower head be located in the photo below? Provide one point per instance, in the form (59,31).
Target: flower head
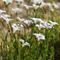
(40,26)
(37,1)
(37,20)
(39,36)
(4,17)
(22,41)
(28,22)
(26,44)
(15,27)
(47,25)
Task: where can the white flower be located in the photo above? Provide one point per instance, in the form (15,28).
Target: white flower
(22,41)
(15,27)
(40,26)
(36,1)
(28,22)
(37,25)
(39,36)
(47,25)
(37,20)
(6,19)
(26,44)
(53,23)
(5,16)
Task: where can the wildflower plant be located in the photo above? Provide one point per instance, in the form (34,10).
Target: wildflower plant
(29,37)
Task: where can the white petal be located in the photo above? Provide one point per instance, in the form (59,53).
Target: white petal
(26,44)
(22,41)
(15,28)
(39,36)
(37,20)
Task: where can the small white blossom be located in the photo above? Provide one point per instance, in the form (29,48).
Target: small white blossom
(26,44)
(37,20)
(6,19)
(15,27)
(37,25)
(22,41)
(28,22)
(37,1)
(47,25)
(40,26)
(39,36)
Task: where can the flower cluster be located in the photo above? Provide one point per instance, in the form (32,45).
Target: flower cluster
(35,22)
(5,16)
(24,43)
(39,36)
(15,27)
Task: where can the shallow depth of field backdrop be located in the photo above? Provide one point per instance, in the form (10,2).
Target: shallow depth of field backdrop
(29,30)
